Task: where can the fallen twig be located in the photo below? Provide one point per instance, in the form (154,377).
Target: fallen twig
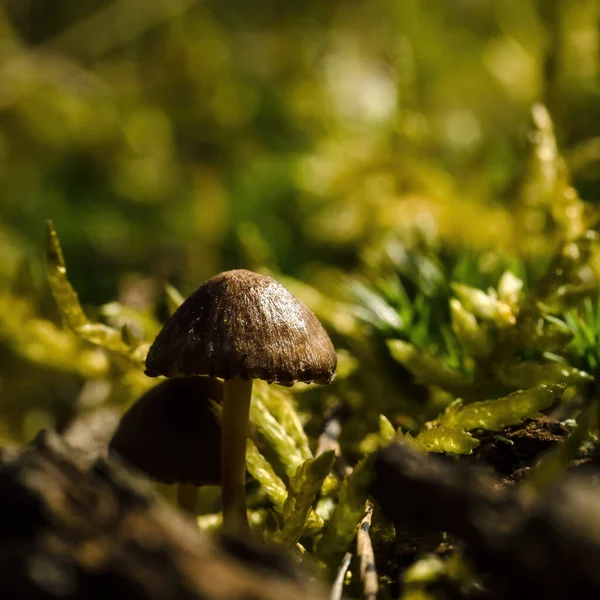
(330,435)
(338,585)
(364,550)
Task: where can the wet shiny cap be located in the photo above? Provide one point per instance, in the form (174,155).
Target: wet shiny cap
(171,434)
(242,324)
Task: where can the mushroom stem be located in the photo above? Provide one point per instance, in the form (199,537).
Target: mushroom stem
(237,394)
(187,497)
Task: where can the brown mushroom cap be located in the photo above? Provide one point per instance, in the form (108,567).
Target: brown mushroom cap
(241,324)
(171,433)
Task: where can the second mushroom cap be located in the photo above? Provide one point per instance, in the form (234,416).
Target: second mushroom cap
(171,434)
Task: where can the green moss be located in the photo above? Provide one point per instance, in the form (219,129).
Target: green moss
(302,493)
(71,311)
(496,414)
(341,528)
(445,438)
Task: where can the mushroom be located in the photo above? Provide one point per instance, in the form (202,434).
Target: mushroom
(241,326)
(171,435)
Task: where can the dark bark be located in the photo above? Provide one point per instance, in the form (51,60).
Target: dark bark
(549,549)
(67,531)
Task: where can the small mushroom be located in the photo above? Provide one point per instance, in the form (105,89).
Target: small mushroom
(241,326)
(171,435)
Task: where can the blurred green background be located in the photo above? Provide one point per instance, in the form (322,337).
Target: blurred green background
(172,139)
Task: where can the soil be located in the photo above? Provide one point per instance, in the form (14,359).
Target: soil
(518,446)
